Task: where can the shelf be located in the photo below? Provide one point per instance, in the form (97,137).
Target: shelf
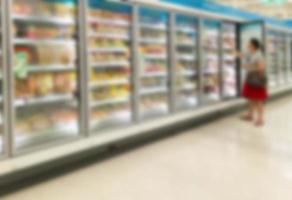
(110,36)
(187,87)
(111,64)
(24,41)
(44,19)
(186,57)
(44,100)
(153,74)
(112,101)
(160,27)
(153,40)
(109,83)
(155,56)
(110,22)
(186,73)
(186,44)
(50,68)
(186,30)
(151,91)
(109,50)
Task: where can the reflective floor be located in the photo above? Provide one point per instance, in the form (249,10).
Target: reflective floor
(225,160)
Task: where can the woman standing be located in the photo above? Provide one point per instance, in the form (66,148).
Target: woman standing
(255,86)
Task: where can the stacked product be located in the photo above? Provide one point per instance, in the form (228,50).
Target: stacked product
(211,80)
(110,69)
(44,66)
(272,59)
(186,67)
(154,65)
(229,60)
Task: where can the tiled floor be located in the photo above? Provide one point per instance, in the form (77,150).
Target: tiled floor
(225,160)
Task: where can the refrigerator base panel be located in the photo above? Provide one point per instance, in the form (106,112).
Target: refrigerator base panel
(27,141)
(69,151)
(120,119)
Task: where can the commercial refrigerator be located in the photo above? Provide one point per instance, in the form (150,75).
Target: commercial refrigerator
(229,61)
(186,62)
(211,69)
(44,70)
(110,64)
(272,59)
(153,54)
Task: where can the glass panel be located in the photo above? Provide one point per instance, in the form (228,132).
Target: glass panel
(1,86)
(154,63)
(229,60)
(272,58)
(187,63)
(211,69)
(289,57)
(281,50)
(45,71)
(110,65)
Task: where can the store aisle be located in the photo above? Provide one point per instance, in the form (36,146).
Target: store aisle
(226,160)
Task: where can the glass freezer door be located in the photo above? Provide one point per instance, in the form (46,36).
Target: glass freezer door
(154,64)
(211,67)
(229,65)
(109,58)
(186,75)
(45,71)
(249,30)
(272,58)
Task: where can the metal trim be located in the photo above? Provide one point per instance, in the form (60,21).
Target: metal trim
(220,63)
(200,53)
(136,73)
(173,61)
(10,115)
(84,69)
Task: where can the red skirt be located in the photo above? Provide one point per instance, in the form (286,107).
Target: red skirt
(256,94)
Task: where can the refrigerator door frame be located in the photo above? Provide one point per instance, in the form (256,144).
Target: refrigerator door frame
(132,79)
(237,64)
(175,61)
(11,115)
(6,144)
(203,61)
(168,61)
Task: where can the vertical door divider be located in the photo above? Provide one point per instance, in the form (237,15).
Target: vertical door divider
(83,69)
(136,74)
(172,63)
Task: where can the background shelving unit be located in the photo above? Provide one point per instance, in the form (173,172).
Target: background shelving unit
(186,68)
(109,58)
(45,75)
(153,55)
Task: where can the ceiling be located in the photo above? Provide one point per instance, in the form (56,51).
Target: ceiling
(278,10)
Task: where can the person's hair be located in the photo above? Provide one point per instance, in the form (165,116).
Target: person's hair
(256,44)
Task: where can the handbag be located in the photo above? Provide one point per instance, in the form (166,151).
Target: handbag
(256,79)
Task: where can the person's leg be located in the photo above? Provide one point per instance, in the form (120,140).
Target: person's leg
(260,113)
(250,111)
